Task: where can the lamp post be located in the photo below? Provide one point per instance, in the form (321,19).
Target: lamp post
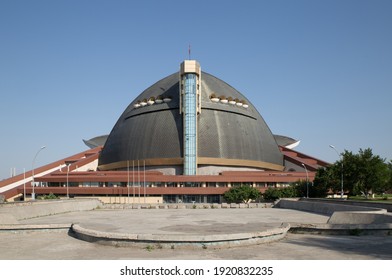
(128,179)
(307,181)
(67,180)
(33,193)
(24,184)
(341,179)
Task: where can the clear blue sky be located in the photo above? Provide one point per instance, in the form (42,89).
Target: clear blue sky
(318,71)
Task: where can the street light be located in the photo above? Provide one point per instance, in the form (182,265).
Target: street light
(307,181)
(341,180)
(67,180)
(33,193)
(24,184)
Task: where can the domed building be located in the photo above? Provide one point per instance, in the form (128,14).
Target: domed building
(191,123)
(187,138)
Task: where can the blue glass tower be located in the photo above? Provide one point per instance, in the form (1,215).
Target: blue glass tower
(190,107)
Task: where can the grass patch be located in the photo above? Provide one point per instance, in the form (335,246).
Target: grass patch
(377,198)
(149,248)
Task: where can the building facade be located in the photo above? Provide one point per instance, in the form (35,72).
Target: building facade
(187,138)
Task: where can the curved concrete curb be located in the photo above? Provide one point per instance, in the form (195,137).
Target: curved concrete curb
(179,240)
(157,241)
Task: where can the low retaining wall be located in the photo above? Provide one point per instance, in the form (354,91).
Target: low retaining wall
(323,208)
(382,205)
(344,217)
(187,205)
(13,212)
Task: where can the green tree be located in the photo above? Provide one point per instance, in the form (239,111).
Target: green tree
(350,171)
(363,173)
(272,194)
(373,173)
(389,185)
(323,181)
(276,193)
(300,187)
(241,194)
(313,189)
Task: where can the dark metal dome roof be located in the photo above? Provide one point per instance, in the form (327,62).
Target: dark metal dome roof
(230,129)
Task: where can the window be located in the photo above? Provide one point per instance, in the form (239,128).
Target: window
(190,125)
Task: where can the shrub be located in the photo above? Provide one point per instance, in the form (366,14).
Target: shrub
(50,196)
(242,194)
(276,193)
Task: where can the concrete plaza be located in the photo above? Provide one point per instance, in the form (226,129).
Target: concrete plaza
(60,245)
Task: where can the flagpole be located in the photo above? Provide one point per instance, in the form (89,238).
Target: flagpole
(144,180)
(128,179)
(138,178)
(133,181)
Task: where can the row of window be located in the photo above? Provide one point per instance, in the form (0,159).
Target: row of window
(163,184)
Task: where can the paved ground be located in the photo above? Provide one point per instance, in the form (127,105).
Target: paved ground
(183,221)
(59,245)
